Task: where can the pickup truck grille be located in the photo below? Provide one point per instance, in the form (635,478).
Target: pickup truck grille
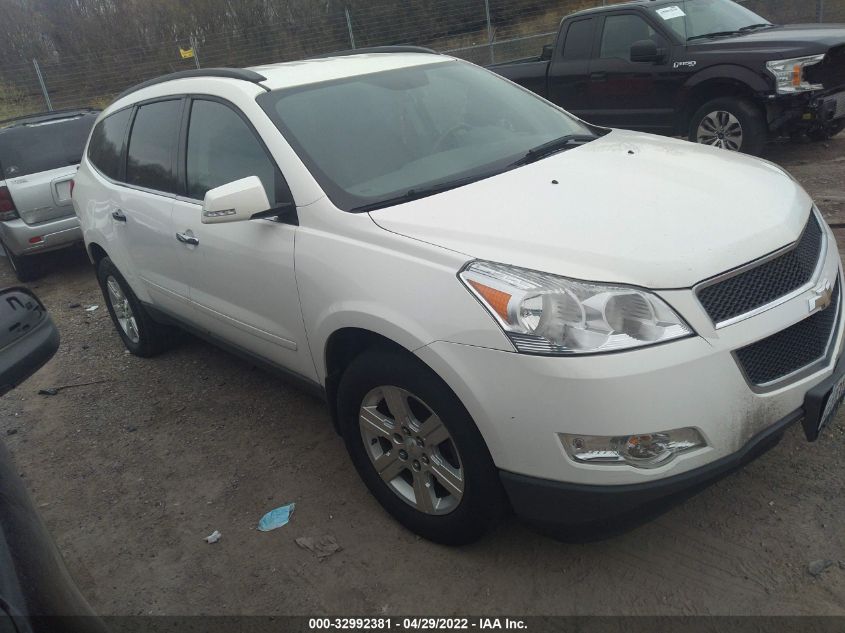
(760,285)
(791,350)
(830,72)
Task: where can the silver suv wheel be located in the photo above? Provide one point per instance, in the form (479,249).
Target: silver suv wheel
(411,450)
(122,310)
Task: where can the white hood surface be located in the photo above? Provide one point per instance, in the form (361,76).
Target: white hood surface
(628,208)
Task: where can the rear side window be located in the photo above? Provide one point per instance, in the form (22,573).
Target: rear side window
(620,32)
(222,149)
(579,40)
(107,140)
(152,146)
(31,148)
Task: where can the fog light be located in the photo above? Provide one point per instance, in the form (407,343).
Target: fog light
(642,451)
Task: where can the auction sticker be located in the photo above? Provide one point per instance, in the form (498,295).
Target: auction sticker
(668,13)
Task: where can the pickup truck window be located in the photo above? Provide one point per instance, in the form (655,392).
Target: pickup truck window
(579,40)
(702,17)
(371,138)
(620,32)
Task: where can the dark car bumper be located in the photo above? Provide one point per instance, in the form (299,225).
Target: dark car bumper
(585,512)
(808,110)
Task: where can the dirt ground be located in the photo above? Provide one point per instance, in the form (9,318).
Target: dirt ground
(130,474)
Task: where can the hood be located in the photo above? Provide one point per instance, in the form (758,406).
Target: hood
(628,208)
(780,42)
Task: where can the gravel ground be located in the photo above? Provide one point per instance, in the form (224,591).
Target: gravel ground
(131,473)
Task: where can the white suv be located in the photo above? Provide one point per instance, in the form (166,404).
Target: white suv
(503,305)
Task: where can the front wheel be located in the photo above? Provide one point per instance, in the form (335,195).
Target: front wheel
(417,449)
(730,123)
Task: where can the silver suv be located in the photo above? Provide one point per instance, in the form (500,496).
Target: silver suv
(39,155)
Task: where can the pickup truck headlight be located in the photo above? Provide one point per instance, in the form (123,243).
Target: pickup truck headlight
(789,74)
(555,316)
(641,451)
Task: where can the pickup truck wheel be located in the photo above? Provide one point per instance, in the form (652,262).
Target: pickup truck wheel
(730,123)
(25,268)
(417,449)
(141,335)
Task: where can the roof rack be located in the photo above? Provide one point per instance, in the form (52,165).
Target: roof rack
(377,49)
(46,116)
(227,73)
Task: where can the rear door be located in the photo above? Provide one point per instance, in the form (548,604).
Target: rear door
(38,161)
(569,70)
(143,205)
(626,94)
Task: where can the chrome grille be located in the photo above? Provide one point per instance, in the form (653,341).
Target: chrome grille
(772,279)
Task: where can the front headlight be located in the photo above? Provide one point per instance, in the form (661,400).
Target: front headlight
(789,74)
(551,315)
(640,451)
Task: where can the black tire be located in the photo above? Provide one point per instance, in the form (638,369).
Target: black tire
(153,338)
(25,268)
(749,117)
(483,501)
(826,133)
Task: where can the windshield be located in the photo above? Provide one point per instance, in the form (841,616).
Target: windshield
(31,148)
(695,18)
(369,139)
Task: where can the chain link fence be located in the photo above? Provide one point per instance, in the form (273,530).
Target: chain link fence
(481,31)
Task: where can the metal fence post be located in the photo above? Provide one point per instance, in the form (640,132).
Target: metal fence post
(196,51)
(43,85)
(349,27)
(489,31)
(821,10)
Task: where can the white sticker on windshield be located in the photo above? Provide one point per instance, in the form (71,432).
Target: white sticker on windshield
(668,13)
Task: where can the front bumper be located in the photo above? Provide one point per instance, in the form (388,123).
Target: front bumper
(603,510)
(521,404)
(54,234)
(806,111)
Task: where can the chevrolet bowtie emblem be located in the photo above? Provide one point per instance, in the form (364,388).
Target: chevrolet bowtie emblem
(823,297)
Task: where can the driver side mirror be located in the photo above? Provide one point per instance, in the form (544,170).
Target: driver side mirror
(644,51)
(28,337)
(548,50)
(235,201)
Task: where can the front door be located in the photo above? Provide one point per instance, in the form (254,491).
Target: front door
(626,94)
(241,274)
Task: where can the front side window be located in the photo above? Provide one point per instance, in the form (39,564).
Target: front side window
(222,149)
(107,140)
(152,146)
(620,33)
(371,138)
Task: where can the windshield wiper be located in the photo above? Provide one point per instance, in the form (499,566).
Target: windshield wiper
(417,193)
(752,27)
(715,34)
(553,147)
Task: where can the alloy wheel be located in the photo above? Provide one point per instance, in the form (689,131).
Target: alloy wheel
(721,129)
(122,310)
(411,450)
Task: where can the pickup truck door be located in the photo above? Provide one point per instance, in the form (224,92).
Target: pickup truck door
(626,94)
(241,277)
(569,69)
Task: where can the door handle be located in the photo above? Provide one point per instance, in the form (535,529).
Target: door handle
(598,76)
(187,239)
(118,215)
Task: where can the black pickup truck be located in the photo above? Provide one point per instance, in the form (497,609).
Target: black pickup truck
(709,70)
